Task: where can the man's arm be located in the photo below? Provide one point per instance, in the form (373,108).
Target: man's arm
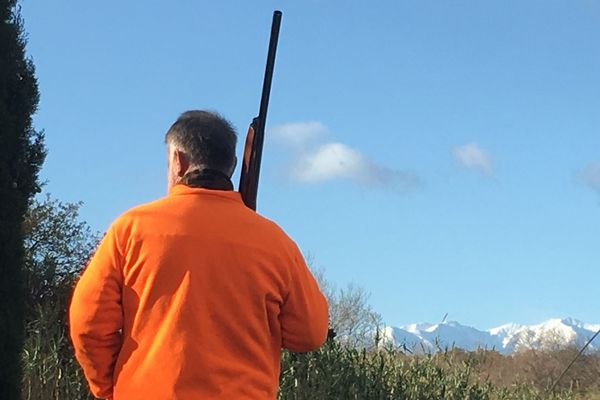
(304,314)
(96,316)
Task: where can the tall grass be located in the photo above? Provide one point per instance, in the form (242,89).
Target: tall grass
(338,372)
(50,371)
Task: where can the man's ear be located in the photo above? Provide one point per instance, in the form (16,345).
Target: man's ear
(181,163)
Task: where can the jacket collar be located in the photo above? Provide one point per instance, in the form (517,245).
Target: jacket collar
(181,190)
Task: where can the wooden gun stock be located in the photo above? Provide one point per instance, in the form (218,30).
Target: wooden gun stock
(256,132)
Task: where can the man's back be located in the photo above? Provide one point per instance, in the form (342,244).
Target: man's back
(206,293)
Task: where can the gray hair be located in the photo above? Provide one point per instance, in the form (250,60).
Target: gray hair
(206,137)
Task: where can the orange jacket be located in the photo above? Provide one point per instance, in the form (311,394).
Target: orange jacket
(192,297)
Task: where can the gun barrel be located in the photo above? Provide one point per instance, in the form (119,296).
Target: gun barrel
(256,132)
(266,90)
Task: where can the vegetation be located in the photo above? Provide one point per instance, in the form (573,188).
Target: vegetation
(351,318)
(57,246)
(21,156)
(341,372)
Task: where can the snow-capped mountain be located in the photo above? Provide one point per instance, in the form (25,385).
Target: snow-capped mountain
(508,338)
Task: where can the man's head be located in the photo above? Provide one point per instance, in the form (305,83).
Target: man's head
(200,140)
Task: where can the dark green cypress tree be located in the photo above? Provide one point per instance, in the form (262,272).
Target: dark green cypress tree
(22,153)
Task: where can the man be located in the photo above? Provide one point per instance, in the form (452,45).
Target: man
(193,296)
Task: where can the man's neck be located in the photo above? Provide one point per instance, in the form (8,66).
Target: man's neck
(208,179)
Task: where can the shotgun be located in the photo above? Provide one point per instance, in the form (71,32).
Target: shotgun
(256,132)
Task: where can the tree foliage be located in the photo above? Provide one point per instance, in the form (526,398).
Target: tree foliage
(22,153)
(57,247)
(351,317)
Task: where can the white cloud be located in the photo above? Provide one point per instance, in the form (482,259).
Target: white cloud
(316,161)
(330,161)
(298,134)
(472,156)
(336,160)
(590,176)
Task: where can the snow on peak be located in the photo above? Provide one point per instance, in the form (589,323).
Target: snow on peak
(416,328)
(507,338)
(505,329)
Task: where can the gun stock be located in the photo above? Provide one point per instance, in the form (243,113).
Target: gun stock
(256,132)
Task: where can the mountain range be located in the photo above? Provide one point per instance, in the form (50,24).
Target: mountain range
(506,339)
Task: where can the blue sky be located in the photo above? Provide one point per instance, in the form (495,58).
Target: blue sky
(443,155)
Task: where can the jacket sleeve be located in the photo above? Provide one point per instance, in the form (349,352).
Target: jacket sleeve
(304,314)
(96,316)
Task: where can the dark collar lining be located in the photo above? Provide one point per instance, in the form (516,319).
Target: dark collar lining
(207,179)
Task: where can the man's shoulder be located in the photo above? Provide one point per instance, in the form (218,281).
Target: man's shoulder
(140,216)
(276,231)
(130,216)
